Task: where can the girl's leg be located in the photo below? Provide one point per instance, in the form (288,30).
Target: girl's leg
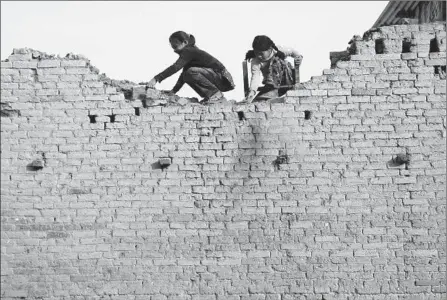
(267,92)
(203,81)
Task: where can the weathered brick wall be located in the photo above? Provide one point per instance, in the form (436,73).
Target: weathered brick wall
(298,200)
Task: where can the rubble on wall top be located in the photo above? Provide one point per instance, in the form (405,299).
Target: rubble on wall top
(36,54)
(75,56)
(381,43)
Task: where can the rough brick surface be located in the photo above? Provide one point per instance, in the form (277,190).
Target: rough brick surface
(306,199)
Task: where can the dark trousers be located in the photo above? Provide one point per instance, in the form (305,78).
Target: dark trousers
(266,92)
(204,81)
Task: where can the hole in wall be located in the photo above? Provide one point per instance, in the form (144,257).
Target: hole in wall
(307,114)
(137,111)
(37,164)
(380,46)
(92,118)
(406,46)
(7,111)
(156,166)
(127,94)
(162,164)
(112,118)
(77,191)
(399,160)
(241,115)
(434,47)
(33,168)
(34,75)
(281,159)
(439,69)
(144,103)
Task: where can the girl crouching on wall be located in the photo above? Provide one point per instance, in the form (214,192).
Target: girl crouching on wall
(268,59)
(201,71)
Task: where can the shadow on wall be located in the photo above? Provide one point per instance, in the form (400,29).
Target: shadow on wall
(7,111)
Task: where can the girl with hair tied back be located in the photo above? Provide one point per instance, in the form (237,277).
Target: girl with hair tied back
(201,71)
(269,59)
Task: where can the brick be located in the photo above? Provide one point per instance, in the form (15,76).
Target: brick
(298,93)
(435,62)
(339,92)
(391,56)
(361,57)
(77,71)
(362,92)
(49,63)
(408,56)
(319,93)
(24,64)
(73,63)
(405,91)
(6,64)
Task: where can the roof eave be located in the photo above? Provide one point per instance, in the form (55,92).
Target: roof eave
(390,11)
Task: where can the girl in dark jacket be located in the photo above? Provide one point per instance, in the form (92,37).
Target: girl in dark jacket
(201,71)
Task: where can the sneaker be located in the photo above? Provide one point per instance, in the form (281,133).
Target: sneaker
(217,97)
(268,95)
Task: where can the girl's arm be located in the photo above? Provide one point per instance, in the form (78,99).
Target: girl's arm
(255,79)
(179,84)
(171,70)
(255,75)
(297,57)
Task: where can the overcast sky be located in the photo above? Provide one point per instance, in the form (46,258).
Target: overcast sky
(130,40)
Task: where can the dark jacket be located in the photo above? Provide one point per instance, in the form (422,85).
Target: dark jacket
(191,56)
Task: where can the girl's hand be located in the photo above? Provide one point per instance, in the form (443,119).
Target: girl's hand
(251,95)
(249,55)
(151,84)
(168,92)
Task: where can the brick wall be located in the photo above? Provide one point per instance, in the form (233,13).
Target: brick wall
(337,193)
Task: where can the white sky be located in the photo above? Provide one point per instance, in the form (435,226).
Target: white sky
(129,40)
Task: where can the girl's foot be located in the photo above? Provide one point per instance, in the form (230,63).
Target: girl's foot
(217,97)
